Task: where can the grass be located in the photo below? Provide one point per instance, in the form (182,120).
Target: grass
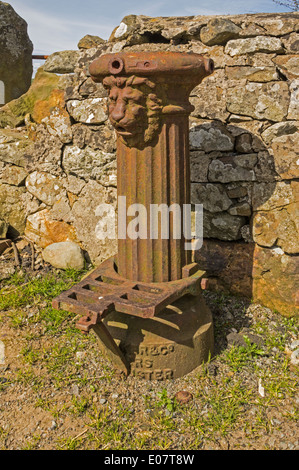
(56,360)
(240,356)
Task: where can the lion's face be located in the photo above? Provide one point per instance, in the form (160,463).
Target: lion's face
(134,111)
(127,111)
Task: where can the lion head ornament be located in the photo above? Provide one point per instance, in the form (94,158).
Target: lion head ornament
(134,108)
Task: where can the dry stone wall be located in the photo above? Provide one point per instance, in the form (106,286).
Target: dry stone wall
(57,149)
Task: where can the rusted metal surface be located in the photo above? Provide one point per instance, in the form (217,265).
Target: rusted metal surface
(149,109)
(39,57)
(104,291)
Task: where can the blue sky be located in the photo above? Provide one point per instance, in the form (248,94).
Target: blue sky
(56,25)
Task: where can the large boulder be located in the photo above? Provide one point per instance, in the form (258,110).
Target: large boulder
(15,54)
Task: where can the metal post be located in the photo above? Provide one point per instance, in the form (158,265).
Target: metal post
(149,109)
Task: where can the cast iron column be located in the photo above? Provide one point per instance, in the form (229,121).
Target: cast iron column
(145,304)
(149,109)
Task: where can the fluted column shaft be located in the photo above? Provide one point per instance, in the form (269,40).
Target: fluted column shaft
(155,175)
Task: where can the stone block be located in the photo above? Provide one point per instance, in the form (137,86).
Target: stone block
(89,111)
(210,137)
(260,100)
(242,208)
(279,129)
(199,166)
(44,186)
(219,31)
(293,112)
(213,197)
(252,74)
(88,218)
(223,226)
(15,147)
(288,65)
(12,209)
(276,218)
(13,113)
(291,43)
(3,230)
(64,255)
(89,163)
(228,169)
(286,155)
(251,45)
(89,41)
(275,280)
(62,62)
(14,175)
(43,230)
(16,54)
(215,87)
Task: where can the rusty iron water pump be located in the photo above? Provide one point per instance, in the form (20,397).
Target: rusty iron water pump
(145,304)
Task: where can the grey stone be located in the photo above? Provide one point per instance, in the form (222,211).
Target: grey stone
(215,87)
(237,339)
(199,165)
(293,112)
(260,100)
(252,74)
(291,42)
(246,233)
(59,125)
(44,186)
(244,143)
(89,111)
(219,31)
(265,169)
(246,160)
(237,191)
(64,255)
(225,170)
(251,45)
(294,345)
(222,226)
(62,62)
(279,129)
(242,208)
(295,357)
(89,163)
(89,41)
(288,65)
(11,208)
(88,220)
(14,175)
(211,138)
(16,54)
(212,196)
(15,147)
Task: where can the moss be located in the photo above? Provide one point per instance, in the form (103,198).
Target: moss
(14,112)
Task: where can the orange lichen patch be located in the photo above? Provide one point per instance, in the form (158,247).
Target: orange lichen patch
(43,230)
(43,108)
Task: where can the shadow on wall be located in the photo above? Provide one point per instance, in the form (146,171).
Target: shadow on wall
(249,231)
